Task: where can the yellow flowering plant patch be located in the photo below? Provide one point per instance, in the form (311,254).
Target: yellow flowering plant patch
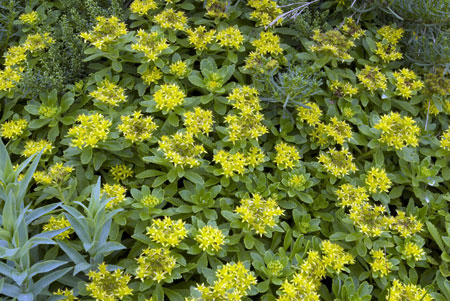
(205,152)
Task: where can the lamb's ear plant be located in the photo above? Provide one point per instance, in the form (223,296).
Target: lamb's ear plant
(92,228)
(19,273)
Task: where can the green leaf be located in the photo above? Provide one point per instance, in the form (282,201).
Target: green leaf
(86,155)
(194,177)
(436,236)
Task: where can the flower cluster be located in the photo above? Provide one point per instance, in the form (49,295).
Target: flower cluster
(57,223)
(200,37)
(247,123)
(233,282)
(445,140)
(230,37)
(167,232)
(377,180)
(332,42)
(412,251)
(108,286)
(181,149)
(405,225)
(369,219)
(198,121)
(109,93)
(275,268)
(168,97)
(156,264)
(380,263)
(38,42)
(57,173)
(170,19)
(151,44)
(338,131)
(91,130)
(407,83)
(268,42)
(150,201)
(216,8)
(334,256)
(13,129)
(29,18)
(32,147)
(310,115)
(296,182)
(259,213)
(343,89)
(372,78)
(179,69)
(105,32)
(47,111)
(287,155)
(141,7)
(210,239)
(338,163)
(231,163)
(68,294)
(116,192)
(150,76)
(386,48)
(349,195)
(400,292)
(121,172)
(266,12)
(398,131)
(137,128)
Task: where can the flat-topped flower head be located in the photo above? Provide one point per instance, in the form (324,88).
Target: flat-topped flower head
(402,292)
(9,77)
(259,214)
(380,263)
(105,32)
(332,42)
(116,192)
(106,285)
(142,7)
(334,256)
(445,140)
(121,172)
(406,225)
(369,219)
(168,97)
(152,44)
(412,251)
(398,131)
(230,37)
(210,239)
(35,146)
(266,11)
(407,83)
(179,69)
(13,129)
(268,42)
(16,55)
(37,42)
(372,78)
(57,223)
(338,163)
(199,121)
(349,195)
(287,156)
(377,180)
(136,127)
(167,232)
(90,131)
(29,18)
(231,163)
(200,37)
(109,93)
(180,149)
(310,115)
(152,76)
(339,131)
(172,19)
(216,8)
(390,34)
(155,264)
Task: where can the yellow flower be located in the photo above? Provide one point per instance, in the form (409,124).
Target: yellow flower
(254,156)
(116,192)
(200,37)
(265,12)
(47,111)
(150,201)
(16,55)
(91,130)
(141,7)
(230,37)
(57,224)
(121,172)
(155,263)
(402,292)
(216,8)
(151,44)
(37,42)
(387,52)
(32,147)
(406,226)
(334,256)
(109,93)
(370,219)
(180,149)
(407,83)
(275,268)
(340,131)
(13,129)
(268,42)
(287,155)
(412,251)
(372,78)
(332,42)
(169,18)
(198,121)
(300,287)
(152,76)
(398,131)
(338,163)
(68,294)
(310,115)
(232,283)
(257,62)
(210,239)
(59,173)
(41,177)
(377,180)
(137,128)
(259,213)
(445,140)
(231,163)
(349,195)
(29,18)
(105,32)
(390,34)
(342,89)
(380,263)
(430,108)
(297,182)
(168,97)
(179,69)
(9,77)
(167,232)
(351,29)
(108,286)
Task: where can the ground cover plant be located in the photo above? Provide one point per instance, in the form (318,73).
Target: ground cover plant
(219,150)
